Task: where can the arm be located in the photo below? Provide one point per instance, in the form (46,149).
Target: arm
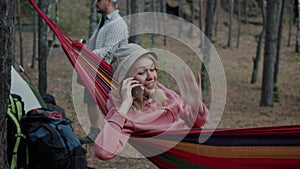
(198,119)
(112,138)
(113,35)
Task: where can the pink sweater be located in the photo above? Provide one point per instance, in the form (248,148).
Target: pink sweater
(118,127)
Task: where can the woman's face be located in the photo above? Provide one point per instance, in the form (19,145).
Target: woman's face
(146,73)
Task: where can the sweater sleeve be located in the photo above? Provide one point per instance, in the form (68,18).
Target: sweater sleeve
(112,138)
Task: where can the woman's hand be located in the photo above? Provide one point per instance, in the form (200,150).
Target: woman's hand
(192,91)
(126,94)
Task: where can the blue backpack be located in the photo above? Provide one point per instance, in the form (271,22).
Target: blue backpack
(51,141)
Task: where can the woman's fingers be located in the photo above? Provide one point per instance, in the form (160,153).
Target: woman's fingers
(127,86)
(130,83)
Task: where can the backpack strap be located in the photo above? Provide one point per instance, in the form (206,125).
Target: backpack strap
(15,112)
(17,106)
(18,136)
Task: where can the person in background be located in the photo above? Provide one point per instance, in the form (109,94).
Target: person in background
(142,103)
(111,34)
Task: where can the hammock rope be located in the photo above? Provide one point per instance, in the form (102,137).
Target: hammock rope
(260,147)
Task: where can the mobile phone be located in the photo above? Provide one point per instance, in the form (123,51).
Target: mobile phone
(138,92)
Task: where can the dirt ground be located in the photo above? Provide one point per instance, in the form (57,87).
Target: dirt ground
(242,102)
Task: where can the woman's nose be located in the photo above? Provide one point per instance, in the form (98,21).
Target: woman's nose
(149,75)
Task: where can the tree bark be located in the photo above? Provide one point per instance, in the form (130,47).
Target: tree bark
(208,32)
(200,14)
(192,18)
(298,29)
(239,25)
(128,7)
(269,54)
(137,6)
(34,39)
(277,59)
(245,12)
(7,45)
(180,17)
(164,10)
(217,17)
(231,4)
(291,21)
(43,49)
(256,60)
(154,7)
(20,32)
(93,17)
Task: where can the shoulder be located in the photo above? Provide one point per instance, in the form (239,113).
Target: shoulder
(116,18)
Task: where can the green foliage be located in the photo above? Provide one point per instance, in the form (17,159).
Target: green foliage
(167,80)
(26,9)
(66,96)
(294,58)
(146,41)
(74,20)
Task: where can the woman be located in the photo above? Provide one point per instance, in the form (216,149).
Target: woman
(141,103)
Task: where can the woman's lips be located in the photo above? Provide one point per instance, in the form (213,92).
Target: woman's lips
(149,86)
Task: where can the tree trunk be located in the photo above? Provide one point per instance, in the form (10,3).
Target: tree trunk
(128,5)
(217,16)
(200,14)
(164,10)
(154,7)
(277,60)
(20,32)
(34,39)
(7,45)
(298,29)
(269,55)
(208,32)
(231,4)
(93,17)
(256,60)
(291,21)
(245,12)
(192,18)
(43,49)
(180,17)
(137,6)
(239,25)
(55,40)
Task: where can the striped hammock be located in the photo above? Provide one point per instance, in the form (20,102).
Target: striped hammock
(261,147)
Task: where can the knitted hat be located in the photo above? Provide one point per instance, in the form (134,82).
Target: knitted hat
(124,57)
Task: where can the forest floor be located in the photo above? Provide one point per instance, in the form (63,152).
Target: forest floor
(242,101)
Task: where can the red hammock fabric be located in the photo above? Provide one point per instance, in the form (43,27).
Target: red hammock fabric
(261,147)
(95,72)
